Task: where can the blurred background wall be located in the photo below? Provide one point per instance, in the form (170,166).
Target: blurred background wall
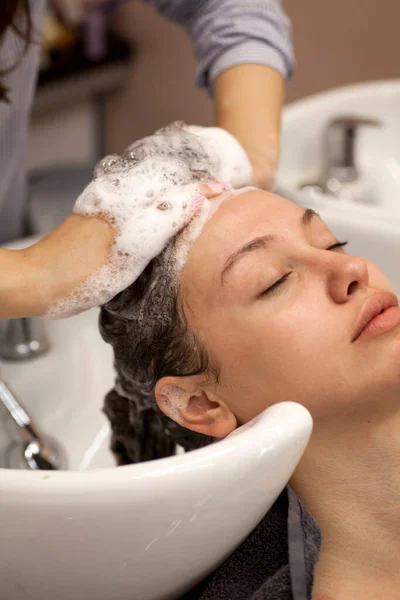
(336,43)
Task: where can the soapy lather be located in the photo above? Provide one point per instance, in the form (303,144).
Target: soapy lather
(148,195)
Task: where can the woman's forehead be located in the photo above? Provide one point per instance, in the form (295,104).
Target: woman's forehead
(236,221)
(254,211)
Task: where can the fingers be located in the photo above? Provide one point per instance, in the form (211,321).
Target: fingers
(196,205)
(211,190)
(190,208)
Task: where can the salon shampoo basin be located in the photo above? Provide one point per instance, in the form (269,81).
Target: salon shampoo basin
(149,531)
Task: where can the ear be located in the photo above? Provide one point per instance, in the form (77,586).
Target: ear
(188,402)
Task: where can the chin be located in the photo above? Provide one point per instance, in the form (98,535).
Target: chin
(393,343)
(390,361)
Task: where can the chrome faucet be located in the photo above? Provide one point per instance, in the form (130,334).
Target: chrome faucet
(22,339)
(37,453)
(339,164)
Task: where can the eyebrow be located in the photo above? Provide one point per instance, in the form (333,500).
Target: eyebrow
(262,242)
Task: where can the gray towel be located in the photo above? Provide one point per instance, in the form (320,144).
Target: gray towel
(275,562)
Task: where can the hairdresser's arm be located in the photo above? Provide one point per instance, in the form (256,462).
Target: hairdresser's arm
(245,54)
(34,278)
(248,103)
(18,292)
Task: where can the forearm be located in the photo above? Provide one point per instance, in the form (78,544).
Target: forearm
(22,286)
(33,279)
(248,103)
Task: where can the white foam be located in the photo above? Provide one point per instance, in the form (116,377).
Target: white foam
(231,163)
(146,195)
(176,400)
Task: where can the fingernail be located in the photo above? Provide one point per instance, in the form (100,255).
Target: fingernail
(197,203)
(217,187)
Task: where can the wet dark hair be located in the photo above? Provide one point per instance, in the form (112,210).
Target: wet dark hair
(16,15)
(147,328)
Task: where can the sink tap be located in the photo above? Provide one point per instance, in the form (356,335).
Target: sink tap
(340,137)
(37,453)
(22,339)
(339,167)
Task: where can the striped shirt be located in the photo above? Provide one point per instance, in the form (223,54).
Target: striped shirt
(225,33)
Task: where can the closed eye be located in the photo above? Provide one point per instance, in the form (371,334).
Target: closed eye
(274,286)
(337,245)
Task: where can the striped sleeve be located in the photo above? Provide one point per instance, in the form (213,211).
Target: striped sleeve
(226,33)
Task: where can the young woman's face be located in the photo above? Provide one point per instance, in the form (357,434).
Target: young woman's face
(277,303)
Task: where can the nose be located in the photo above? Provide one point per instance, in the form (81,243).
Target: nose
(346,275)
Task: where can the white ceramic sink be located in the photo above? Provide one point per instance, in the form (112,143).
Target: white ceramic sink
(140,532)
(63,391)
(149,531)
(377,150)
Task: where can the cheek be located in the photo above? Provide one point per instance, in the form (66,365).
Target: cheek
(265,360)
(303,329)
(271,349)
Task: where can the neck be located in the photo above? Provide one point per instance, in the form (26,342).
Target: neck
(349,479)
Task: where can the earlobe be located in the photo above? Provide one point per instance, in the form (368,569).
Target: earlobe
(185,401)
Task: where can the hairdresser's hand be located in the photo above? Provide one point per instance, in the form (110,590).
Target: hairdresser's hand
(264,160)
(34,278)
(78,266)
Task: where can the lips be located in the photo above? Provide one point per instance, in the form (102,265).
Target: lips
(376,304)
